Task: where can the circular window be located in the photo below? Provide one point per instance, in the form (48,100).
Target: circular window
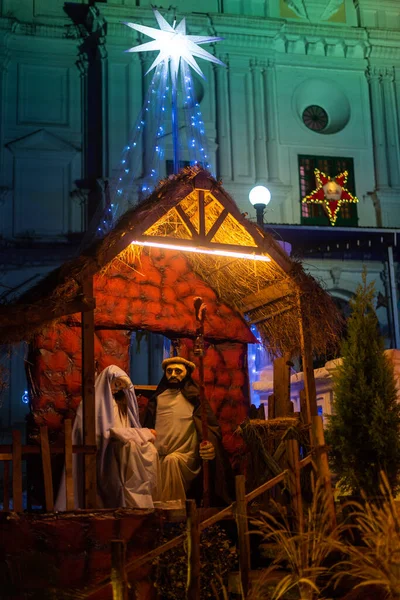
(315,118)
(321,106)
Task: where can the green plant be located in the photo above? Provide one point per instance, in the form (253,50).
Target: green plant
(376,562)
(364,431)
(301,557)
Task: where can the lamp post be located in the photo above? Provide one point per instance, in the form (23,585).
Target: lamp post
(259,197)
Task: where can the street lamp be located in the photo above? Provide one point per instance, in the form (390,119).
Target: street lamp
(259,197)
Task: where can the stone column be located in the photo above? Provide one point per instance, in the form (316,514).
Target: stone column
(271,122)
(4,61)
(378,127)
(224,141)
(260,138)
(392,126)
(92,63)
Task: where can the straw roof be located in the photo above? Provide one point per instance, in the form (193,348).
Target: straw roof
(192,209)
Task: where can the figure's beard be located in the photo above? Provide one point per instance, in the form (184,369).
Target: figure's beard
(174,383)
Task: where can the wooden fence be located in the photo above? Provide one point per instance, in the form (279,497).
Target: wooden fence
(14,454)
(121,570)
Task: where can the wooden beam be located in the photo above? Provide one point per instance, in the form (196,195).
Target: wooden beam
(307,359)
(17,471)
(202,221)
(88,397)
(6,450)
(243,533)
(17,316)
(189,225)
(283,404)
(69,480)
(271,407)
(193,551)
(266,486)
(265,242)
(293,468)
(217,224)
(143,220)
(323,471)
(119,580)
(270,315)
(46,466)
(268,294)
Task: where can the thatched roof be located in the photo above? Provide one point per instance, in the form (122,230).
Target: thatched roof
(193,209)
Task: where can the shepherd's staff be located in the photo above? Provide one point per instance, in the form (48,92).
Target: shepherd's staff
(200,311)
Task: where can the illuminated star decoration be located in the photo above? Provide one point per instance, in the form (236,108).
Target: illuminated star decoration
(331,193)
(174,45)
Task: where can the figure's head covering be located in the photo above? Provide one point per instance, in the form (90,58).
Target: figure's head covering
(178,360)
(105,401)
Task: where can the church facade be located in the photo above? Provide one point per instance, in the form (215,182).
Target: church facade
(307,84)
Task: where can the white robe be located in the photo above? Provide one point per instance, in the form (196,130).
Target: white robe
(127,460)
(177,445)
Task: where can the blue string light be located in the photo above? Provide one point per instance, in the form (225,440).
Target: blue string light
(142,160)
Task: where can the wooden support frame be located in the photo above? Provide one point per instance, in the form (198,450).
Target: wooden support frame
(243,532)
(202,216)
(88,397)
(283,404)
(69,481)
(118,574)
(46,465)
(45,311)
(268,295)
(317,431)
(193,550)
(293,467)
(306,355)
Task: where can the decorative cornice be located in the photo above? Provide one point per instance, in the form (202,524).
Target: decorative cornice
(380,73)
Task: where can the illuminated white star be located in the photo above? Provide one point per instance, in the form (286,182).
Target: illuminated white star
(174,45)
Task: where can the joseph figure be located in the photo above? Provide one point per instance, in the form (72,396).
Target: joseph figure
(174,411)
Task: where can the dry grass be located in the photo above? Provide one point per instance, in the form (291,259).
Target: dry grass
(376,562)
(303,555)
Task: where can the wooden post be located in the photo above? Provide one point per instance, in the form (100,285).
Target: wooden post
(69,481)
(243,533)
(6,485)
(46,465)
(17,471)
(193,546)
(303,406)
(271,407)
(308,369)
(292,459)
(282,387)
(198,350)
(322,465)
(118,574)
(88,398)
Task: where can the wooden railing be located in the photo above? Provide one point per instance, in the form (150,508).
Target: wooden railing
(14,454)
(121,569)
(238,510)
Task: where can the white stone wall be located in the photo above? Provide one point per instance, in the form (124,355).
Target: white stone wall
(323,382)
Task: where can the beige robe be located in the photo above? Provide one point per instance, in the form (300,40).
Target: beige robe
(177,445)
